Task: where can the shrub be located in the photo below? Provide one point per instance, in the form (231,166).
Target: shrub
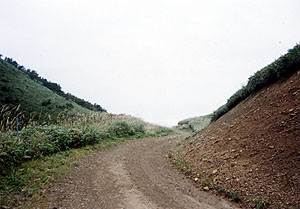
(34,142)
(162,131)
(6,88)
(46,102)
(124,129)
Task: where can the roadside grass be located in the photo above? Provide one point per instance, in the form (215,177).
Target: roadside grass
(35,141)
(38,154)
(32,176)
(40,151)
(182,165)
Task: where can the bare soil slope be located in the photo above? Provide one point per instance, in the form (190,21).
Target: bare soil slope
(255,148)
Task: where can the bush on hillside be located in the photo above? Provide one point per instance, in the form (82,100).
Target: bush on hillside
(283,67)
(34,142)
(162,131)
(124,129)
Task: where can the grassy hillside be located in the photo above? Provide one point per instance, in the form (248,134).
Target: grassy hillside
(194,124)
(35,100)
(53,86)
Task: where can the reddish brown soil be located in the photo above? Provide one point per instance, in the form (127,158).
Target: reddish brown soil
(255,148)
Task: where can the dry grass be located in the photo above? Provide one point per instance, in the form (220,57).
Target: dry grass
(102,120)
(8,115)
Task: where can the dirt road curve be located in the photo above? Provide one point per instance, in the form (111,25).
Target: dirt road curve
(133,175)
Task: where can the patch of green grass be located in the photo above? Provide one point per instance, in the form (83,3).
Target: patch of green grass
(220,189)
(260,203)
(206,181)
(179,161)
(162,131)
(31,176)
(230,193)
(234,195)
(182,165)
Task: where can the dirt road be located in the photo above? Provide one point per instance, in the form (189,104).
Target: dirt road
(136,174)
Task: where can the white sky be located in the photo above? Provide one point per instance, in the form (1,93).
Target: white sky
(160,60)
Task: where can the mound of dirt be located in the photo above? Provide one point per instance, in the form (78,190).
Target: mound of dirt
(255,148)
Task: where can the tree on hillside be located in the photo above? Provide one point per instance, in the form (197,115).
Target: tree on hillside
(11,61)
(22,68)
(99,108)
(33,74)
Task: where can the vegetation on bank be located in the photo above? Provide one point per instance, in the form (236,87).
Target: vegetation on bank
(22,155)
(30,177)
(38,141)
(282,68)
(34,141)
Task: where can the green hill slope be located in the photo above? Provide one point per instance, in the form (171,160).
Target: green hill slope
(35,99)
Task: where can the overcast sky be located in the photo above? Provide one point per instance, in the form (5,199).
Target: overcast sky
(160,60)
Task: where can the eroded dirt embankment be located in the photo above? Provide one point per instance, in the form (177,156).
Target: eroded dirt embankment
(255,147)
(136,174)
